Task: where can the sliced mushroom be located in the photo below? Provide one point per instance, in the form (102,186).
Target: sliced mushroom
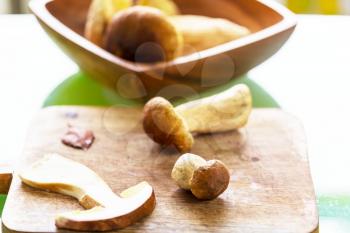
(106,210)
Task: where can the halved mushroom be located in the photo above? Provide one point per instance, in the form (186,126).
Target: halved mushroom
(106,210)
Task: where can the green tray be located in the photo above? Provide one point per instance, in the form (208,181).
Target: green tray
(81,90)
(2,203)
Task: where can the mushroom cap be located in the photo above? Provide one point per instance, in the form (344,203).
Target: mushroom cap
(210,180)
(166,127)
(143,34)
(184,168)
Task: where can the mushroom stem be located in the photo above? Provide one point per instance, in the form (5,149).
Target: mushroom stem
(226,111)
(195,29)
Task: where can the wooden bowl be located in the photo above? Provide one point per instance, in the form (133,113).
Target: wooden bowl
(270,22)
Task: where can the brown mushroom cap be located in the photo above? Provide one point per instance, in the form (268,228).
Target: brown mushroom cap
(143,34)
(210,180)
(164,126)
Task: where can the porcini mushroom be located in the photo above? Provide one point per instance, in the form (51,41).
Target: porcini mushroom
(105,210)
(167,125)
(102,11)
(205,179)
(142,34)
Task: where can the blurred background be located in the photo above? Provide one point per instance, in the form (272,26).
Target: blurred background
(298,6)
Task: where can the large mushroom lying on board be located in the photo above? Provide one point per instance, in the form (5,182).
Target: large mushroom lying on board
(105,210)
(168,126)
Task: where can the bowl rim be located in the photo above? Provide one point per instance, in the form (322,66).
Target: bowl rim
(289,20)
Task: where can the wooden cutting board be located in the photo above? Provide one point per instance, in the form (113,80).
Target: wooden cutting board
(271,188)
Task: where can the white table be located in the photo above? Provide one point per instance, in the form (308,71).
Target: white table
(309,77)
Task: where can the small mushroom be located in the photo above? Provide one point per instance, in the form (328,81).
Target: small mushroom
(105,210)
(167,125)
(205,179)
(143,34)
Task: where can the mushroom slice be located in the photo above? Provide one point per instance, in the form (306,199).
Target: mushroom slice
(107,211)
(139,202)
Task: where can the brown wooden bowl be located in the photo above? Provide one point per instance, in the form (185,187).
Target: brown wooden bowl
(270,22)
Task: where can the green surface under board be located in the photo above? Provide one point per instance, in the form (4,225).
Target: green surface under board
(81,90)
(2,203)
(334,209)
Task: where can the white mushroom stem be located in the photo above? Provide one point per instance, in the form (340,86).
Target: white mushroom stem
(184,168)
(106,210)
(226,111)
(195,29)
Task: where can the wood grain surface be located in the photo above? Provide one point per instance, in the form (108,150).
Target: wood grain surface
(270,191)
